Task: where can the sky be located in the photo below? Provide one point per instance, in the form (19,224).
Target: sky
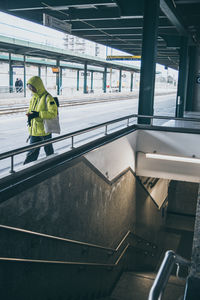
(12,26)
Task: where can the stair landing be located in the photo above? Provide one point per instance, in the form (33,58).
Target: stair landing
(136,286)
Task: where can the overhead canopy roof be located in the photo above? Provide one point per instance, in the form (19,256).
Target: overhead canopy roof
(18,61)
(17,46)
(119,23)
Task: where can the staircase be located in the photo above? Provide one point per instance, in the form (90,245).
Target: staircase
(136,286)
(43,272)
(39,266)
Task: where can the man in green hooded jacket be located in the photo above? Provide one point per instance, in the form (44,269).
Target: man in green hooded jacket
(42,106)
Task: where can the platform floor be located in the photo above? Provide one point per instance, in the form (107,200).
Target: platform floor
(186,124)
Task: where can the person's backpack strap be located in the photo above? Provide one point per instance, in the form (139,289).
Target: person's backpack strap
(57,101)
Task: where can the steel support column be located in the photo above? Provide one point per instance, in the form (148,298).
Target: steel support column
(148,59)
(61,79)
(120,80)
(92,76)
(182,78)
(10,75)
(39,71)
(110,80)
(24,75)
(46,72)
(85,88)
(131,87)
(191,78)
(58,77)
(77,83)
(105,79)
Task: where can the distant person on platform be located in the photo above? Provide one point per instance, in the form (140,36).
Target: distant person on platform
(42,106)
(17,85)
(20,85)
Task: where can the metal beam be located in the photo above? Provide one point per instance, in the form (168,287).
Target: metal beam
(135,7)
(171,13)
(148,60)
(77,86)
(13,5)
(102,24)
(39,71)
(24,75)
(93,14)
(58,77)
(125,34)
(191,79)
(92,77)
(187,1)
(131,85)
(172,41)
(110,30)
(125,42)
(120,80)
(105,80)
(10,74)
(85,87)
(182,79)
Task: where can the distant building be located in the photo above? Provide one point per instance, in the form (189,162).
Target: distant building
(83,46)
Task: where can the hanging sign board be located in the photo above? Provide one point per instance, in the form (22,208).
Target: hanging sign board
(123,57)
(198,79)
(55,69)
(55,23)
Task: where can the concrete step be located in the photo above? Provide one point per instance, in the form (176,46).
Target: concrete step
(180,222)
(136,286)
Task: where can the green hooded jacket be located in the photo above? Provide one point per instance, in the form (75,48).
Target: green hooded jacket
(46,110)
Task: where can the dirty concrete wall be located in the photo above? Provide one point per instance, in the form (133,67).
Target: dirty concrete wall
(80,204)
(183,197)
(95,199)
(149,219)
(76,203)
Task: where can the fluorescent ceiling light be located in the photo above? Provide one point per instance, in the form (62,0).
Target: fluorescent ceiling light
(173,158)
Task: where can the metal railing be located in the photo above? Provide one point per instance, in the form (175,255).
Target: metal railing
(66,240)
(161,280)
(72,135)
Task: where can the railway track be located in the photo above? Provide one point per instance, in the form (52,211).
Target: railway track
(21,108)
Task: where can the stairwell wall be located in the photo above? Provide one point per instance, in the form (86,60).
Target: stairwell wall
(95,199)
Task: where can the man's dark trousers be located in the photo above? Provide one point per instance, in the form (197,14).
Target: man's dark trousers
(33,154)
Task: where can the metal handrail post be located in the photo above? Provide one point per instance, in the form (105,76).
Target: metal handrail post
(160,282)
(12,165)
(106,129)
(72,146)
(162,277)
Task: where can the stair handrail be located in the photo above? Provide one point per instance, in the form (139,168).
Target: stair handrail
(80,243)
(164,272)
(61,262)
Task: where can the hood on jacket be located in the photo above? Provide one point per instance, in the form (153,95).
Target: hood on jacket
(36,81)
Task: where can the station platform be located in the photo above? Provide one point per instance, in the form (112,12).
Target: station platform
(186,124)
(14,98)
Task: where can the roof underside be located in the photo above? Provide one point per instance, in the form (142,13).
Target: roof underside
(118,24)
